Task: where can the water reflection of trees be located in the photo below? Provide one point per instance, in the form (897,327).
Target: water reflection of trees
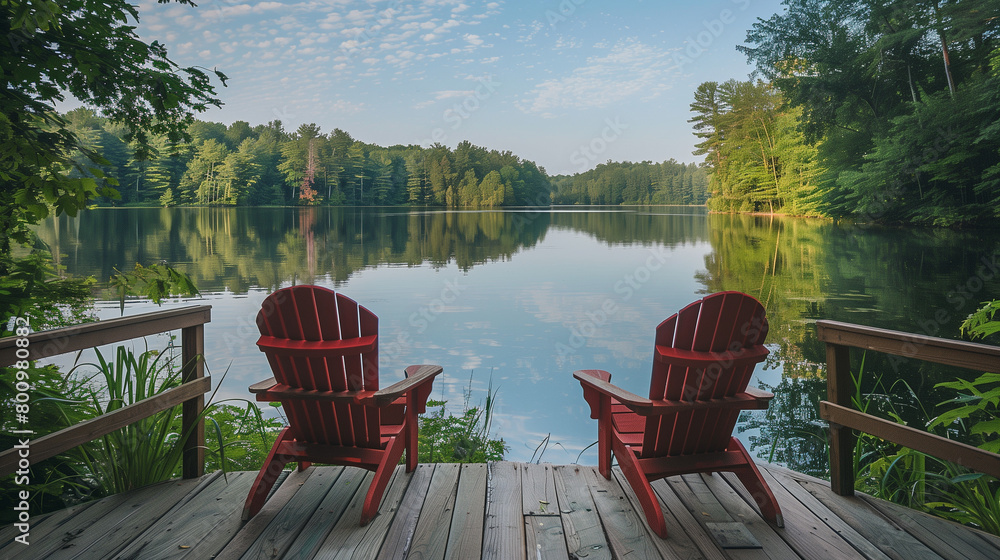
(647,225)
(237,248)
(805,270)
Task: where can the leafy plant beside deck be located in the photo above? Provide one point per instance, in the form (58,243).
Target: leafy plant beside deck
(460,438)
(144,452)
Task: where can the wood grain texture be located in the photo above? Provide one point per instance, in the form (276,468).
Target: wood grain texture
(545,538)
(55,443)
(45,344)
(972,355)
(465,540)
(314,514)
(895,542)
(338,494)
(677,544)
(109,523)
(580,521)
(503,535)
(349,541)
(717,506)
(243,542)
(285,525)
(404,524)
(804,531)
(948,539)
(430,539)
(183,529)
(626,531)
(707,546)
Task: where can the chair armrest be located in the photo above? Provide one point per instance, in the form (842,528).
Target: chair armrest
(263,385)
(701,360)
(759,394)
(415,377)
(317,348)
(600,381)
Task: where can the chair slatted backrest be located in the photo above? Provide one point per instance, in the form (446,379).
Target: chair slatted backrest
(314,313)
(725,321)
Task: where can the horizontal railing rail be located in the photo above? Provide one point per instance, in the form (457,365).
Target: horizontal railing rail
(190,394)
(843,418)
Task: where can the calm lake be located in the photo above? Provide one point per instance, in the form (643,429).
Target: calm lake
(521,299)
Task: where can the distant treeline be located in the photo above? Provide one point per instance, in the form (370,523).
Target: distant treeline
(266,165)
(243,165)
(878,111)
(633,183)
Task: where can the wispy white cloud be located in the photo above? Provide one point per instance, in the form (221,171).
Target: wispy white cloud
(631,69)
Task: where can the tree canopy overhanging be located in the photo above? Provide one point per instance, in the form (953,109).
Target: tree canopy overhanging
(86,50)
(874,111)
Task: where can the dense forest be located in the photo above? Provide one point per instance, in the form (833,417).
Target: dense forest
(633,183)
(241,165)
(879,111)
(264,165)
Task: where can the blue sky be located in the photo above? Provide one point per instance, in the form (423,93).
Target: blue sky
(565,83)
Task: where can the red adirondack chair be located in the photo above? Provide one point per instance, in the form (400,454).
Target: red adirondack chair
(323,351)
(704,357)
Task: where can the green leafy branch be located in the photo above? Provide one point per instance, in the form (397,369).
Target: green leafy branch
(156,282)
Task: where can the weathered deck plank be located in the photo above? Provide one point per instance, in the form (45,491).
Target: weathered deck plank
(626,531)
(113,522)
(40,527)
(348,539)
(584,533)
(678,544)
(947,539)
(465,540)
(724,506)
(480,511)
(397,541)
(889,537)
(431,536)
(503,535)
(861,544)
(255,529)
(339,492)
(182,530)
(805,531)
(275,538)
(543,530)
(707,546)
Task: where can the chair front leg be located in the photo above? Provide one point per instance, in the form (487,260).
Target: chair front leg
(266,478)
(639,482)
(604,435)
(410,432)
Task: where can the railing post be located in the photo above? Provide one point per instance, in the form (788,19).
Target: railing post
(192,358)
(839,389)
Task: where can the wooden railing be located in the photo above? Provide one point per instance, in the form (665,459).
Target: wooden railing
(839,339)
(190,394)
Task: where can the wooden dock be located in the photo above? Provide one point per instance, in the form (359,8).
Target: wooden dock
(499,511)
